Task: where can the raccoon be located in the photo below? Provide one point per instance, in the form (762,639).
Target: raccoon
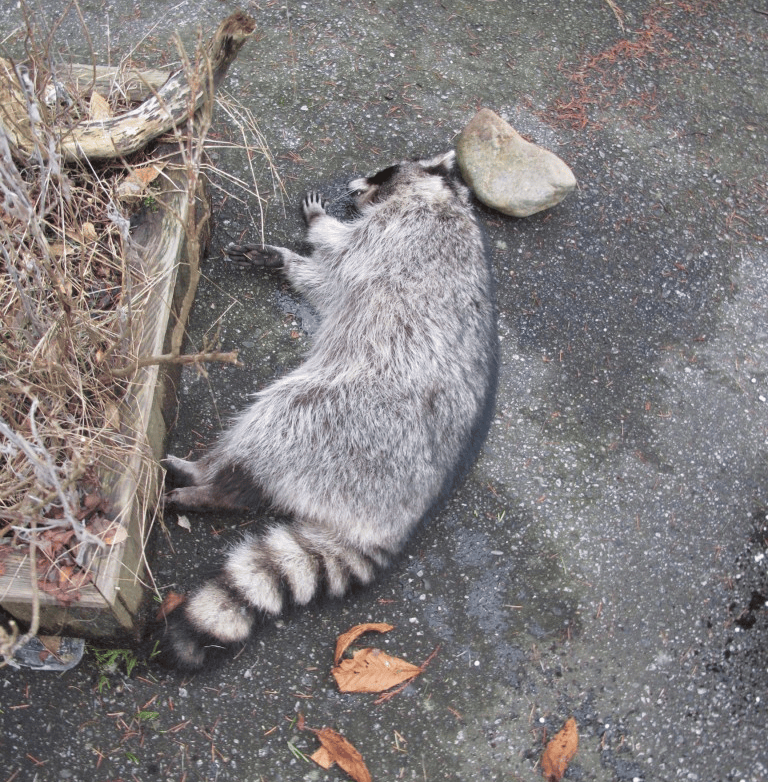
(370,433)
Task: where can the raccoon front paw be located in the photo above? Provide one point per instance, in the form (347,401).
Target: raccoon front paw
(254,255)
(313,206)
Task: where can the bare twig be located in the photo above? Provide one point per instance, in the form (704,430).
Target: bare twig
(618,13)
(229,357)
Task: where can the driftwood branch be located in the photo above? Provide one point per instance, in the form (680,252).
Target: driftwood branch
(134,84)
(98,139)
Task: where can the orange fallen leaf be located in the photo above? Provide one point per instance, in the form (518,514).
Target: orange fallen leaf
(322,757)
(371,670)
(146,174)
(336,749)
(115,534)
(136,182)
(560,751)
(171,602)
(345,639)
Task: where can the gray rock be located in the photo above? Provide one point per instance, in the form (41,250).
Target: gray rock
(508,173)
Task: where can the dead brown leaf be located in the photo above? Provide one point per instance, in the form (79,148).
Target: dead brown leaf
(110,531)
(136,183)
(322,757)
(371,670)
(171,602)
(345,639)
(51,644)
(336,749)
(560,751)
(64,594)
(148,173)
(88,230)
(115,534)
(91,502)
(99,108)
(57,538)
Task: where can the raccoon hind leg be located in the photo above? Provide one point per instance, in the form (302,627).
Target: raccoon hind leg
(229,487)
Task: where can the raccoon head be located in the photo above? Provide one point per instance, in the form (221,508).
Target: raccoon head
(382,185)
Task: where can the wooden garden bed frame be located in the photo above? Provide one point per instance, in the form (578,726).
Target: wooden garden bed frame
(169,241)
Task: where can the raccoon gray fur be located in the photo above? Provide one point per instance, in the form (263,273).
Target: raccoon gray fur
(371,431)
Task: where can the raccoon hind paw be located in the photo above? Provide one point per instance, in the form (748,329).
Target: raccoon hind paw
(246,255)
(180,472)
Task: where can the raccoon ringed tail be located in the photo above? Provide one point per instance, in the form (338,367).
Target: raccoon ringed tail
(287,562)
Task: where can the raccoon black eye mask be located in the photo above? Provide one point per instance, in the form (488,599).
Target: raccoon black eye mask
(370,433)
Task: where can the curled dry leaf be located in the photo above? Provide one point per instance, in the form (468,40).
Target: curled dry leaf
(336,749)
(118,534)
(88,230)
(135,184)
(345,639)
(560,751)
(110,531)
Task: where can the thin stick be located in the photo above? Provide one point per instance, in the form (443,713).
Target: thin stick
(175,358)
(618,13)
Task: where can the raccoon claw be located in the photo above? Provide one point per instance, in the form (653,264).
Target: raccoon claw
(313,206)
(254,255)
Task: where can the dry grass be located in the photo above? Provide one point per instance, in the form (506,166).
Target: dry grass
(72,288)
(68,299)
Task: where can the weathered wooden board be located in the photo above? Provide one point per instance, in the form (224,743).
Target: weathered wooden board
(107,608)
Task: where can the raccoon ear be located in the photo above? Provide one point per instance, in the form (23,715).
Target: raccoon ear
(383,176)
(441,165)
